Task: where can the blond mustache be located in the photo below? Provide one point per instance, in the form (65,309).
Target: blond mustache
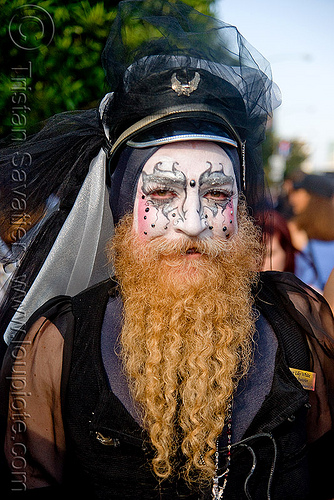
(208,247)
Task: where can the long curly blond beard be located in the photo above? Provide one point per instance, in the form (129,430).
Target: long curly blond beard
(186,338)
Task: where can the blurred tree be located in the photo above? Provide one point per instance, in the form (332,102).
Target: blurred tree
(269,148)
(298,154)
(294,158)
(50,58)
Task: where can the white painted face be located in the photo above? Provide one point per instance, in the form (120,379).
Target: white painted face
(186,189)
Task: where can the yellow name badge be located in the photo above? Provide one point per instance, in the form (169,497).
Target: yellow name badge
(306,379)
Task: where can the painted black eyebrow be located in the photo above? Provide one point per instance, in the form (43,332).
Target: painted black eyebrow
(216,178)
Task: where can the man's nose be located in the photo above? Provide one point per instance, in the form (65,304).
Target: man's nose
(193,220)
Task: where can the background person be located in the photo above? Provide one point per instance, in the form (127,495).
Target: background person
(280,252)
(313,204)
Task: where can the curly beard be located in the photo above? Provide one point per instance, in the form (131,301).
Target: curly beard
(186,338)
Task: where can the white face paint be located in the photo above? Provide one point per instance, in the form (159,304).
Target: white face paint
(187,188)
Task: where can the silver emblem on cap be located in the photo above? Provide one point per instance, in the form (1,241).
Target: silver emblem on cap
(185,88)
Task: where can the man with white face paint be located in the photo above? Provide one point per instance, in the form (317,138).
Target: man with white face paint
(191,188)
(187,374)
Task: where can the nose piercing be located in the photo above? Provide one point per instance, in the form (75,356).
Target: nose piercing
(192,183)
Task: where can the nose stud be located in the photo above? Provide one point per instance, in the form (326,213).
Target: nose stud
(192,183)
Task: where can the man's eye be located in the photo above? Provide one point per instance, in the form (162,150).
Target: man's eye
(216,195)
(162,194)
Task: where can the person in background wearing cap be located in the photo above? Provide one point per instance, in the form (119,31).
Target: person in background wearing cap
(188,374)
(312,200)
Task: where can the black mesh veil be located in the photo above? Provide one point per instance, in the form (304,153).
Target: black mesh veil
(52,163)
(177,40)
(163,61)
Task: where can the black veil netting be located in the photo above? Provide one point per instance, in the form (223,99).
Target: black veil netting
(151,42)
(170,39)
(52,163)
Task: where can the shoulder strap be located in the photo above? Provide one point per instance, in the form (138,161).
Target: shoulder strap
(88,311)
(288,332)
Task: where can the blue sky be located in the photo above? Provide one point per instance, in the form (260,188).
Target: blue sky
(297,37)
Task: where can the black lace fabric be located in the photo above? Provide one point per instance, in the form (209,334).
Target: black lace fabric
(314,315)
(35,428)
